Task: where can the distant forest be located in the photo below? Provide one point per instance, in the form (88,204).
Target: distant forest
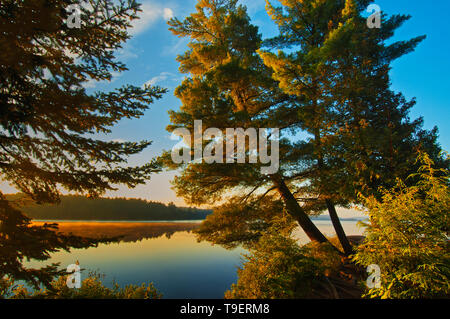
(74,207)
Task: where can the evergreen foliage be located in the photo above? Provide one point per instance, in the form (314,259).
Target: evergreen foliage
(407,236)
(329,85)
(49,121)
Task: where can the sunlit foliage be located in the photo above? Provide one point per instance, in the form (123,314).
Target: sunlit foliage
(277,267)
(408,236)
(328,84)
(232,225)
(359,132)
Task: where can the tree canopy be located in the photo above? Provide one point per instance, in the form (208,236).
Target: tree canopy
(49,120)
(328,92)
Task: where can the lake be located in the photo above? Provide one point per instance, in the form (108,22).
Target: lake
(165,253)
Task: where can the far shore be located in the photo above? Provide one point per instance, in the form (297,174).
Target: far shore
(127,231)
(93,221)
(314,218)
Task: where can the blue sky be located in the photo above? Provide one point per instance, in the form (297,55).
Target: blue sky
(150,57)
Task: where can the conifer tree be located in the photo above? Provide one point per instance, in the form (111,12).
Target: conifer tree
(361,135)
(48,119)
(332,87)
(47,114)
(229,87)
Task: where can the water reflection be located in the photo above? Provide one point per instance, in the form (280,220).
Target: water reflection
(166,254)
(124,232)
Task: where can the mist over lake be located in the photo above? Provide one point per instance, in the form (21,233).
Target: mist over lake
(165,253)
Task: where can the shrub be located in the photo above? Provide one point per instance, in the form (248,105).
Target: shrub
(277,268)
(407,236)
(91,288)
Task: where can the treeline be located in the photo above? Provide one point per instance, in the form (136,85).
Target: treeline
(74,207)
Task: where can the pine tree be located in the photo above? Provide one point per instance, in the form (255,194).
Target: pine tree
(334,88)
(229,87)
(48,119)
(361,136)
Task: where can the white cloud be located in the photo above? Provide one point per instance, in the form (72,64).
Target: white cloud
(150,14)
(90,84)
(167,14)
(163,76)
(127,52)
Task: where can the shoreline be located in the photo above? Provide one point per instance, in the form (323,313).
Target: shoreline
(315,219)
(94,221)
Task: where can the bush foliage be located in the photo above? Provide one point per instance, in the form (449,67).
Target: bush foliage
(278,268)
(407,236)
(91,288)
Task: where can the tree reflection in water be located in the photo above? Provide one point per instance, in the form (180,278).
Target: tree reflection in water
(21,240)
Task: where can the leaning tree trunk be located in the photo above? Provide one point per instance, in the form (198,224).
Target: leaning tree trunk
(295,210)
(348,249)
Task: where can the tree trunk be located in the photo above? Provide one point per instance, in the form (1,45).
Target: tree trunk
(348,249)
(297,212)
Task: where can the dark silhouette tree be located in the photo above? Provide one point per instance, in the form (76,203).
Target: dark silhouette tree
(48,119)
(20,241)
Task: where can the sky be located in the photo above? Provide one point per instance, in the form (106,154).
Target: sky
(150,56)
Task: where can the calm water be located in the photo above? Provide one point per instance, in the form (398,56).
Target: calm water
(166,254)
